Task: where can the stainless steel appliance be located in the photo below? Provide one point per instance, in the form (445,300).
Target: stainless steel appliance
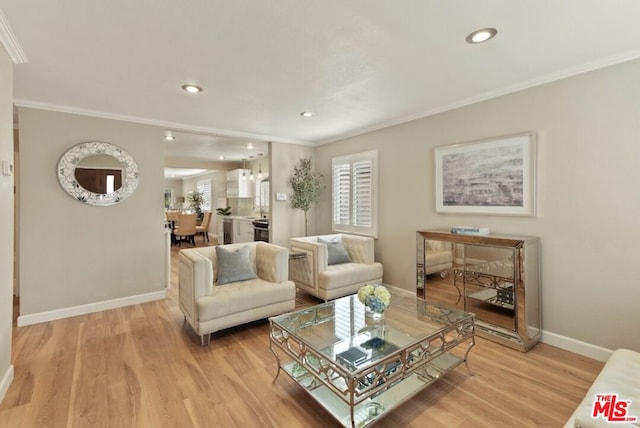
(227,230)
(261,229)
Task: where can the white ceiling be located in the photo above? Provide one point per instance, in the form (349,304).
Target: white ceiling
(359,64)
(198,148)
(181,173)
(201,147)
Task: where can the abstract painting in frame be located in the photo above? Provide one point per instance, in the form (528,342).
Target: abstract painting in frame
(494,176)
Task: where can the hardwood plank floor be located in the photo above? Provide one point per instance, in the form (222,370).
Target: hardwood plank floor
(140,367)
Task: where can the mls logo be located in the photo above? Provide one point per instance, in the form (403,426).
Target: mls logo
(612,409)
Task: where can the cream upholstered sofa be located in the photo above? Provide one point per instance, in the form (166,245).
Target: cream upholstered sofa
(209,307)
(314,273)
(620,375)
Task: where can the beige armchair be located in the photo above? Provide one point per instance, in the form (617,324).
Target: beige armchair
(314,273)
(209,307)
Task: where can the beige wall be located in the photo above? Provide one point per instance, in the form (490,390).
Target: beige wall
(286,221)
(588,176)
(75,254)
(6,221)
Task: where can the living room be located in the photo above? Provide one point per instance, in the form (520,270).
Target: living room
(586,126)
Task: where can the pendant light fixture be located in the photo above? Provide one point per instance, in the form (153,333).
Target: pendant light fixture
(259,171)
(244,172)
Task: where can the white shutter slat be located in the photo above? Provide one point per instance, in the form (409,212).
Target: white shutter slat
(354,193)
(342,183)
(362,189)
(204,187)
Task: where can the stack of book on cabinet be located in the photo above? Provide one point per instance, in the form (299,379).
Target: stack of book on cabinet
(468,230)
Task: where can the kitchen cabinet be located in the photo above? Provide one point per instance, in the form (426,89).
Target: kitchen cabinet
(239,185)
(242,230)
(220,228)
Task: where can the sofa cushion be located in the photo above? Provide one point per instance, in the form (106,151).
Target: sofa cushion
(243,296)
(336,253)
(344,274)
(234,266)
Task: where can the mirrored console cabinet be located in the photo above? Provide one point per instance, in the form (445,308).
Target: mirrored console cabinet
(494,276)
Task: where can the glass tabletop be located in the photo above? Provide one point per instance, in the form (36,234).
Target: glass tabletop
(341,332)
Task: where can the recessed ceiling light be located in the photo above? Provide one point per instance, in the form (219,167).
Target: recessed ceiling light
(249,146)
(306,114)
(169,137)
(193,89)
(482,35)
(221,158)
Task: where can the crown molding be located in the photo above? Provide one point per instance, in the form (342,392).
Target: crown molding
(10,43)
(549,78)
(172,126)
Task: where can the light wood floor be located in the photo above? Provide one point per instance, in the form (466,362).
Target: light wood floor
(139,367)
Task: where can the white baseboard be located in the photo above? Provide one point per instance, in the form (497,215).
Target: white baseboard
(6,382)
(89,308)
(563,342)
(573,345)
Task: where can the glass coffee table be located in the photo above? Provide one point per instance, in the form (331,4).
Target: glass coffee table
(360,369)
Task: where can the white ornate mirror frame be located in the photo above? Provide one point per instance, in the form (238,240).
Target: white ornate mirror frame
(72,157)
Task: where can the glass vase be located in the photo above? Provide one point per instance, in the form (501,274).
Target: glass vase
(373,315)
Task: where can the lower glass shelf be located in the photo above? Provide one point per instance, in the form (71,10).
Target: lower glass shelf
(380,402)
(490,295)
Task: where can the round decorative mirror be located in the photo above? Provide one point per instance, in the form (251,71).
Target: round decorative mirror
(98,173)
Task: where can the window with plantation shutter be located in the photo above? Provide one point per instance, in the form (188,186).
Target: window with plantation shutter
(341,193)
(355,193)
(204,187)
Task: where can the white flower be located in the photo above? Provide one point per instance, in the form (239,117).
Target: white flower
(383,294)
(364,292)
(377,297)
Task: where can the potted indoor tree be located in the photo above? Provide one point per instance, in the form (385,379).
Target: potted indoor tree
(307,186)
(196,200)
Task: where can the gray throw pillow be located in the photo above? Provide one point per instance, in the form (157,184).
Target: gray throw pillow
(336,252)
(234,265)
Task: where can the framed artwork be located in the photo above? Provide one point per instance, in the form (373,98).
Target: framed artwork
(493,176)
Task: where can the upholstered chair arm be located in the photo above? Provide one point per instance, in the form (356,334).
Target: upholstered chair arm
(195,279)
(272,262)
(361,249)
(305,271)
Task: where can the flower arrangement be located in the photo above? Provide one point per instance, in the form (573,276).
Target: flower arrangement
(376,297)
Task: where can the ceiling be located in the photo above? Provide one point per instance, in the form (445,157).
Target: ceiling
(202,147)
(188,148)
(359,65)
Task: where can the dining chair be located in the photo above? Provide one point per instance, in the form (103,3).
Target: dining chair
(203,228)
(171,218)
(185,229)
